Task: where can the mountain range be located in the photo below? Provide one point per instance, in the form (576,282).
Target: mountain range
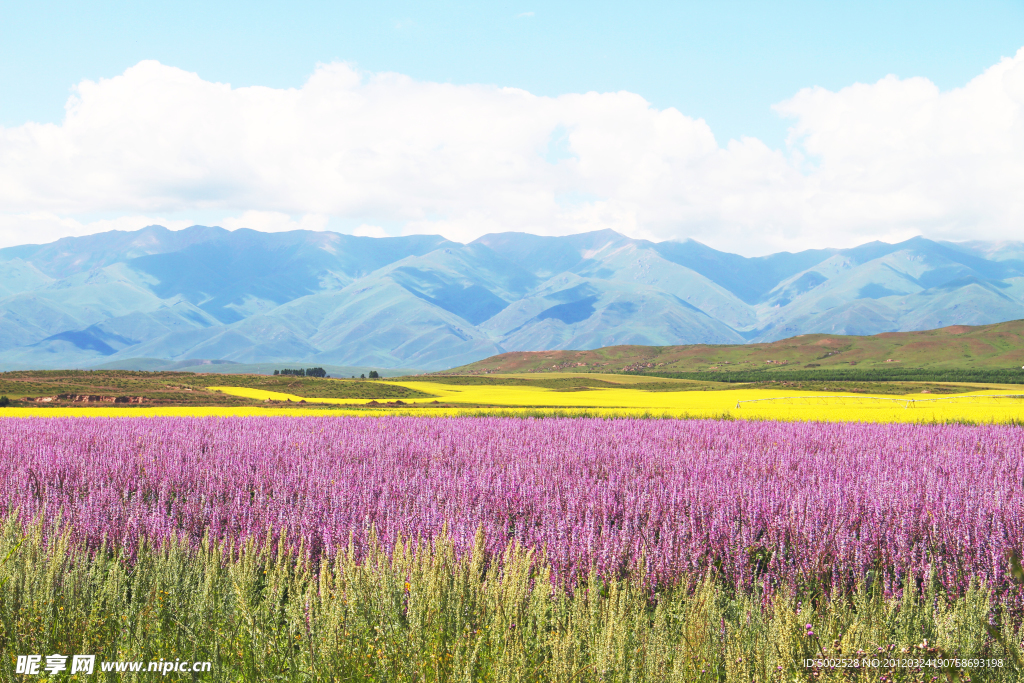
(429,303)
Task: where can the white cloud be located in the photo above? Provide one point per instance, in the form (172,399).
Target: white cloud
(902,153)
(877,161)
(370,231)
(274,221)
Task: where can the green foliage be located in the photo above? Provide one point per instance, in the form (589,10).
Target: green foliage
(996,376)
(577,383)
(374,375)
(186,388)
(659,383)
(890,388)
(4,401)
(423,612)
(308,372)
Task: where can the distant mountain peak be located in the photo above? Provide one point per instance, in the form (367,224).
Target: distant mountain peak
(422,301)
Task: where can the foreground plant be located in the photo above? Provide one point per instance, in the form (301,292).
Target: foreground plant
(422,612)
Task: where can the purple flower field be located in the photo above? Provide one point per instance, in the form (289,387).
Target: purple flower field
(796,503)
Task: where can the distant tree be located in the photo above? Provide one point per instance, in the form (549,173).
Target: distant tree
(374,375)
(316,372)
(362,376)
(277,372)
(4,401)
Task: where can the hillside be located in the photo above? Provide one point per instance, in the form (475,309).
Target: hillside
(129,299)
(951,351)
(57,388)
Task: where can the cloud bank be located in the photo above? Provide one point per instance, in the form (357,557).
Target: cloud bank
(872,161)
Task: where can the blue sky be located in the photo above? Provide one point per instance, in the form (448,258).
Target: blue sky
(750,126)
(726,61)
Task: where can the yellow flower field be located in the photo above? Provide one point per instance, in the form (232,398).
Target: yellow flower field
(980,406)
(986,405)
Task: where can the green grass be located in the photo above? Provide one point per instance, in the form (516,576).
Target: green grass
(873,376)
(421,612)
(185,388)
(577,383)
(700,382)
(987,353)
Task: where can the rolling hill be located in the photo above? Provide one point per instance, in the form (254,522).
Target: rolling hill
(957,350)
(324,298)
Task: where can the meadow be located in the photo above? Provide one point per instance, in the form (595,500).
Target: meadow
(977,407)
(528,394)
(407,530)
(984,405)
(418,549)
(984,353)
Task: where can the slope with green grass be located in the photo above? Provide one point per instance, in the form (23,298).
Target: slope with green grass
(986,353)
(64,387)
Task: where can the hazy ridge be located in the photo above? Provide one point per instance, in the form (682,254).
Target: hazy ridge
(429,303)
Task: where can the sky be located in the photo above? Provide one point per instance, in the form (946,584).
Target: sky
(752,127)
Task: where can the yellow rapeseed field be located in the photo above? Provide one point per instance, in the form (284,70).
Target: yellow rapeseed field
(979,406)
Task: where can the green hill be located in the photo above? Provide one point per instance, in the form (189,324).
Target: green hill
(986,353)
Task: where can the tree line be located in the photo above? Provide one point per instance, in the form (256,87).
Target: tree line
(308,372)
(318,372)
